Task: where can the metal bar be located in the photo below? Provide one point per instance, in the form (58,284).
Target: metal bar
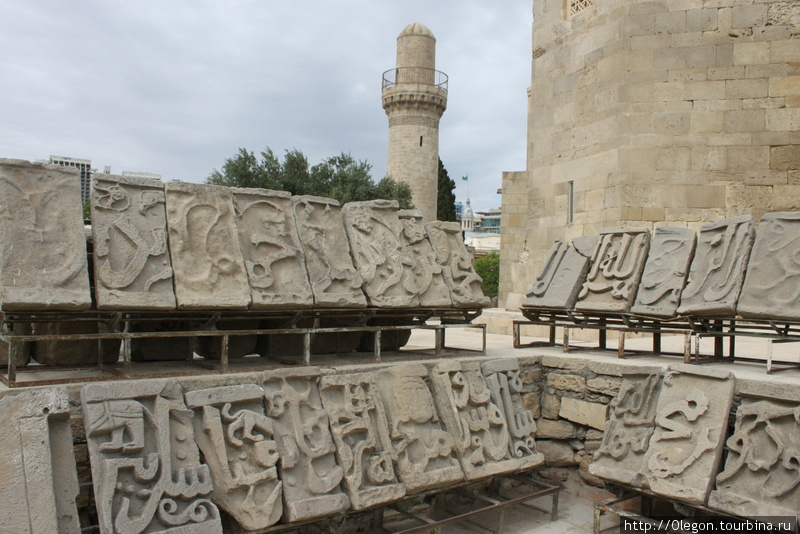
(377,345)
(225,344)
(566,339)
(621,345)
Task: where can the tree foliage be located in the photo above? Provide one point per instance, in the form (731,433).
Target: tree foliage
(446,200)
(340,177)
(488,268)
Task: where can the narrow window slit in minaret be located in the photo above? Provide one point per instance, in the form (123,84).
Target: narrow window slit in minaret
(420,140)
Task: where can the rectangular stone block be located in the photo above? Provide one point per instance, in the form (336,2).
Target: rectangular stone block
(204,247)
(615,269)
(146,468)
(38,478)
(42,244)
(432,290)
(771,286)
(456,263)
(563,274)
(361,433)
(374,232)
(584,413)
(718,268)
(273,256)
(132,268)
(334,280)
(308,468)
(665,272)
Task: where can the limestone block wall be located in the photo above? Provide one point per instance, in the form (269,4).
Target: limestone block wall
(653,111)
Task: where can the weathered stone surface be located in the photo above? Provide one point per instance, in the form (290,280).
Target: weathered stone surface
(204,247)
(334,280)
(761,476)
(504,382)
(770,287)
(72,352)
(42,244)
(614,272)
(456,261)
(561,279)
(273,257)
(628,431)
(132,268)
(605,385)
(551,405)
(665,272)
(385,264)
(146,468)
(311,477)
(23,350)
(556,453)
(478,425)
(432,289)
(361,433)
(558,429)
(718,267)
(565,382)
(425,455)
(584,413)
(238,445)
(38,480)
(686,447)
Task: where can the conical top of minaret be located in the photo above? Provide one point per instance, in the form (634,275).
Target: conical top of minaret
(416,28)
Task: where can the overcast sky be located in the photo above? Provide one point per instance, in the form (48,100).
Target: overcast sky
(175,87)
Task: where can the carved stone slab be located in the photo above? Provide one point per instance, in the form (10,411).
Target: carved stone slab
(132,268)
(761,475)
(361,432)
(456,262)
(146,468)
(204,247)
(334,280)
(628,430)
(771,285)
(42,244)
(237,442)
(273,256)
(373,229)
(503,378)
(718,267)
(563,274)
(615,270)
(691,420)
(425,455)
(311,477)
(431,287)
(665,272)
(38,479)
(478,425)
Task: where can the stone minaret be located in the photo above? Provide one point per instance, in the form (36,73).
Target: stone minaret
(414,98)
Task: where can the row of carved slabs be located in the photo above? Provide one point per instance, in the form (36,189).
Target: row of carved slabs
(667,431)
(725,270)
(295,444)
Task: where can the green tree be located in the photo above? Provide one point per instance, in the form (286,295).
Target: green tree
(488,268)
(446,199)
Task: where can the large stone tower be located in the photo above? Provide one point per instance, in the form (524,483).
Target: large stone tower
(414,98)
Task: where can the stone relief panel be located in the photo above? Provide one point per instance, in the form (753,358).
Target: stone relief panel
(311,476)
(428,273)
(132,268)
(39,482)
(361,433)
(563,274)
(204,247)
(718,267)
(614,271)
(691,420)
(628,430)
(146,468)
(42,244)
(456,262)
(772,285)
(762,471)
(478,425)
(334,280)
(425,455)
(373,230)
(273,257)
(236,439)
(505,384)
(665,272)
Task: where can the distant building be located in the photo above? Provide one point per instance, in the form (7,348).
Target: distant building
(83,165)
(467,218)
(489,221)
